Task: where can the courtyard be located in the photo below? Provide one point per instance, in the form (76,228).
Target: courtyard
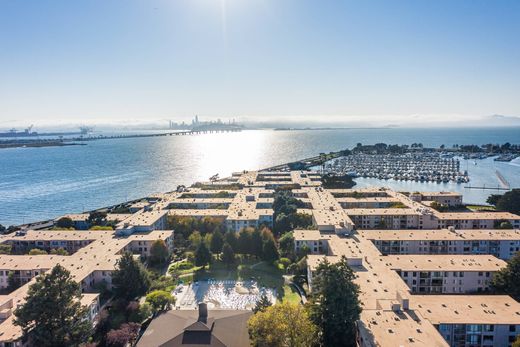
(222,294)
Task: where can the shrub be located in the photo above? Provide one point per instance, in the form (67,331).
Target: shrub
(285,262)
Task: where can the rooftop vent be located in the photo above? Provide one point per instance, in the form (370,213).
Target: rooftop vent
(203,312)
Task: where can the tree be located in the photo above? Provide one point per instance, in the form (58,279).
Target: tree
(13,282)
(217,241)
(493,199)
(303,251)
(52,314)
(301,220)
(287,245)
(159,252)
(101,227)
(130,279)
(97,218)
(202,255)
(231,239)
(509,202)
(335,306)
(262,304)
(505,225)
(228,256)
(282,223)
(207,240)
(122,336)
(195,240)
(270,252)
(160,300)
(59,251)
(244,241)
(285,325)
(5,248)
(256,246)
(37,251)
(266,234)
(65,222)
(517,342)
(507,279)
(438,206)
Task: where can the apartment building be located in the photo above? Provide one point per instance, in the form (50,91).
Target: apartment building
(501,243)
(90,265)
(311,240)
(444,198)
(440,274)
(411,273)
(475,220)
(472,320)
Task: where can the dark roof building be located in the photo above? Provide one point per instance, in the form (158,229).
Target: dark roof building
(192,328)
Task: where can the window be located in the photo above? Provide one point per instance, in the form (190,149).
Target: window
(489,327)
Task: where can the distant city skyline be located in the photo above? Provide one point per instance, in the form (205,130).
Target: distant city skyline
(263,62)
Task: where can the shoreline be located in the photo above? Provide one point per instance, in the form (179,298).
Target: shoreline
(306,163)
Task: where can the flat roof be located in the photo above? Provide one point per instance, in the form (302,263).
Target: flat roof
(404,328)
(443,262)
(368,199)
(307,235)
(451,194)
(468,309)
(144,218)
(381,212)
(441,235)
(476,215)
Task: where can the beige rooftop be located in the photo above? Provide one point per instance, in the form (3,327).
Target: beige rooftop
(438,262)
(441,234)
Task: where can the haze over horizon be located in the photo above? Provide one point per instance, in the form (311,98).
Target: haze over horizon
(262,62)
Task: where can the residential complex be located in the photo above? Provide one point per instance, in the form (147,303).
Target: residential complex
(410,266)
(423,274)
(92,258)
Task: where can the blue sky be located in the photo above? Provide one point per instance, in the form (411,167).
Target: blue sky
(339,61)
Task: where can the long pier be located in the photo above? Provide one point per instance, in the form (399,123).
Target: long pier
(80,139)
(502,180)
(484,187)
(173,133)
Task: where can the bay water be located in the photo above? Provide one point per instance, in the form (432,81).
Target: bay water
(43,183)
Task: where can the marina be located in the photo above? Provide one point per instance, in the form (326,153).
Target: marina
(418,167)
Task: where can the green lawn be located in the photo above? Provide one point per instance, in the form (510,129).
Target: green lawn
(480,207)
(290,294)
